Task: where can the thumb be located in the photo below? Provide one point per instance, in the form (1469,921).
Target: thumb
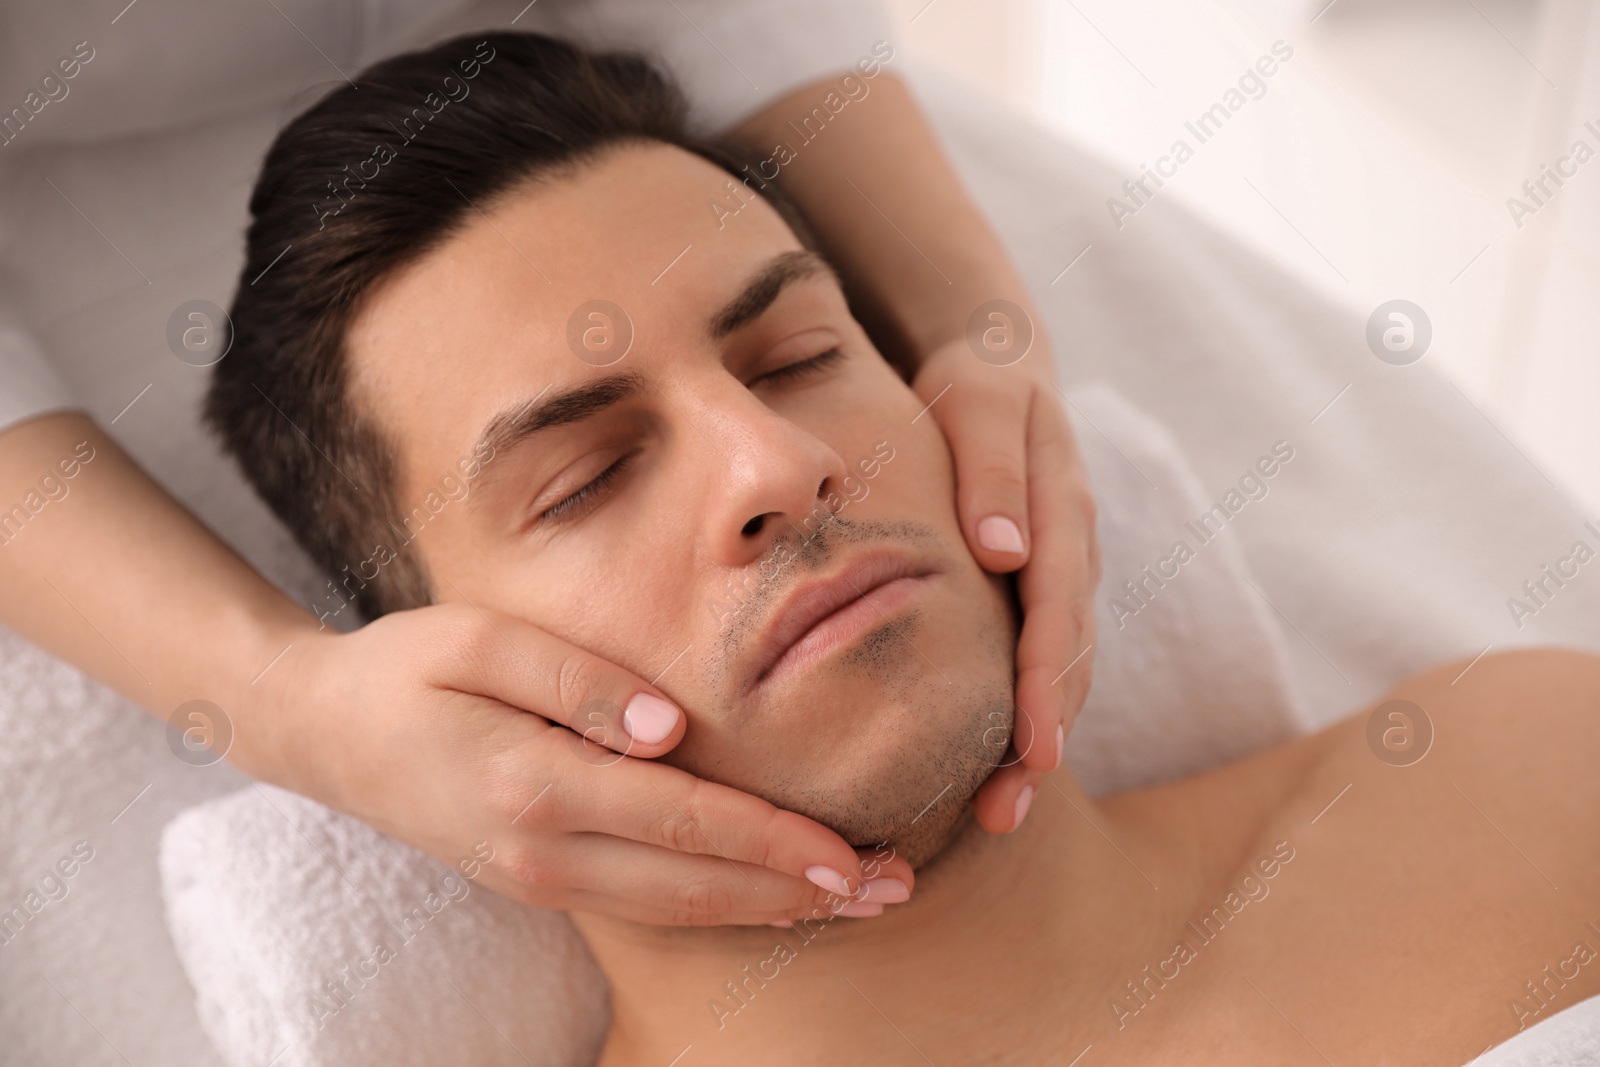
(517,663)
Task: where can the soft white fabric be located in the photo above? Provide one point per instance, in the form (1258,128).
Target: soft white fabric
(310,938)
(1407,520)
(727,56)
(1569,1038)
(29,383)
(239,58)
(1390,543)
(726,53)
(165,64)
(1199,676)
(79,764)
(269,896)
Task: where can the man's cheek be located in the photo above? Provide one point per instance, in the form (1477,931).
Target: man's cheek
(915,480)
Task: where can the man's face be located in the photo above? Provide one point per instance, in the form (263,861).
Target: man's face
(748,506)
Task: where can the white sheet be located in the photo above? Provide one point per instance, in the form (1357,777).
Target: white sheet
(1392,542)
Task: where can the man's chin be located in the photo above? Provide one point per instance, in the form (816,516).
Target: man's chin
(920,799)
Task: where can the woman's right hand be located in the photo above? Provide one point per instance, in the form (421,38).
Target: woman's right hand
(415,724)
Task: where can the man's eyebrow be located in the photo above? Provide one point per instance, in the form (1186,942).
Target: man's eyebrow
(515,424)
(546,410)
(763,288)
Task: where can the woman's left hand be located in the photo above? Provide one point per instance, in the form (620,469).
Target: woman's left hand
(1024,503)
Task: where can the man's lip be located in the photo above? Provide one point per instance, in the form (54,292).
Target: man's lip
(812,603)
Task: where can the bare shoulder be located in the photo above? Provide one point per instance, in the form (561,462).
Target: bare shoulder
(1510,698)
(1521,728)
(1414,884)
(1448,861)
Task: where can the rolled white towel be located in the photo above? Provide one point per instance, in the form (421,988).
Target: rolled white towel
(312,939)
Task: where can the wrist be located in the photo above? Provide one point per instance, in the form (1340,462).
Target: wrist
(261,690)
(946,316)
(963,355)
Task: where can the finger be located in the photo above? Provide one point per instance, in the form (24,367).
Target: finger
(1056,589)
(599,903)
(664,806)
(680,883)
(1003,801)
(984,424)
(615,876)
(519,664)
(889,881)
(718,887)
(809,919)
(882,861)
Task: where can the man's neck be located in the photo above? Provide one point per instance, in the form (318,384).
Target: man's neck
(1057,913)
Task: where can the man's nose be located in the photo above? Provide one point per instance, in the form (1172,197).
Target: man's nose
(774,481)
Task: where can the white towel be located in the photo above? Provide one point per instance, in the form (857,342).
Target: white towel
(1569,1038)
(1191,670)
(311,938)
(292,920)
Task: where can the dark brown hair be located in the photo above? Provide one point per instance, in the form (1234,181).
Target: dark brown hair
(362,183)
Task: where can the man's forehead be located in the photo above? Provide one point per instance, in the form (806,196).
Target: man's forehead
(550,287)
(632,229)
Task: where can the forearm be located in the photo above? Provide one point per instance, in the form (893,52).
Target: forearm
(892,215)
(110,573)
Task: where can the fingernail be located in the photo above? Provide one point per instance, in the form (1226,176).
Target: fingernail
(829,879)
(649,718)
(1024,799)
(1061,743)
(860,909)
(887,891)
(999,534)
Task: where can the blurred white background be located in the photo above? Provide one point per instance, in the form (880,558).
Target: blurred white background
(1377,165)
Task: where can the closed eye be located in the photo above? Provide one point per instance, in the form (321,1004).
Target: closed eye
(585,499)
(802,368)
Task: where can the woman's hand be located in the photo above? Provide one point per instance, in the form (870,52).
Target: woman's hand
(413,724)
(1024,503)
